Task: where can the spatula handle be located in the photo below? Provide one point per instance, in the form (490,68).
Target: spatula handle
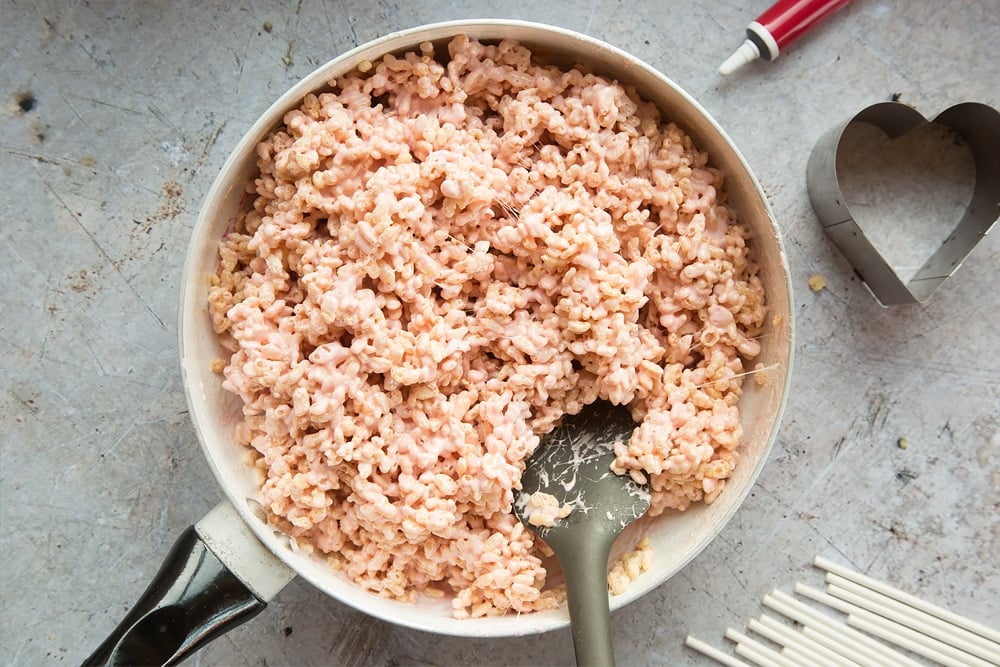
(587,596)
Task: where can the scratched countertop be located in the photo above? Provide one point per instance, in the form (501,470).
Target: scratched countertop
(116,118)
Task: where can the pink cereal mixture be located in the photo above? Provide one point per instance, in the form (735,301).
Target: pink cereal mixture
(442,258)
(543,509)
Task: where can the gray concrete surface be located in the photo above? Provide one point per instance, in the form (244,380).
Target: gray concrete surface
(116,117)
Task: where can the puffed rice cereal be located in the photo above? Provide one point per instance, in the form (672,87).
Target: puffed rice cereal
(543,509)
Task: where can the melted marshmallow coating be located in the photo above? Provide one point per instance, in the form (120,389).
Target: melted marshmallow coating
(441,257)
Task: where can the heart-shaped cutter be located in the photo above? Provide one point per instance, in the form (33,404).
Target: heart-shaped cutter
(979,126)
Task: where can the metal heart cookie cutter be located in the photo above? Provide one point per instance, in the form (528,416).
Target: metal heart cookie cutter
(979,126)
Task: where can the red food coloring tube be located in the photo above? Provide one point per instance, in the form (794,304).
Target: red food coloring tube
(774,30)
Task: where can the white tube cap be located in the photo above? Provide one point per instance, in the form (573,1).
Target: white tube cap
(747,53)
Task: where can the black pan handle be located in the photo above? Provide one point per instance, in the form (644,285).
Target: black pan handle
(195,597)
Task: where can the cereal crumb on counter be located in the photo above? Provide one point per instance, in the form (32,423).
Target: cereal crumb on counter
(902,443)
(817,282)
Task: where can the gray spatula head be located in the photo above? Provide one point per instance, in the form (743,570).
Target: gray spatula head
(573,466)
